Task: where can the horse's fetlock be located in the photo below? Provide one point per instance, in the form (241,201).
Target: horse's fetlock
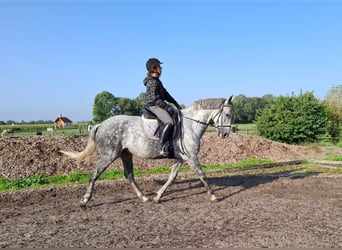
(213,198)
(156,199)
(83,203)
(145,199)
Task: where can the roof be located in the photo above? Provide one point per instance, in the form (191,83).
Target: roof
(64,119)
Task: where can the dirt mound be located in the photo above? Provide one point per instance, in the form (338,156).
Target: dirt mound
(25,156)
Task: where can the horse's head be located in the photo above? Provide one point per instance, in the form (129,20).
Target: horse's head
(223,118)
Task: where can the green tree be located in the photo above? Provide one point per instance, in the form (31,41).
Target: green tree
(293,119)
(333,101)
(128,106)
(104,106)
(141,99)
(107,105)
(246,108)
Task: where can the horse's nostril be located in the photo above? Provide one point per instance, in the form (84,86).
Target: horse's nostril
(223,135)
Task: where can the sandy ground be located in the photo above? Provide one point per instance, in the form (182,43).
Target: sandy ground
(252,211)
(279,210)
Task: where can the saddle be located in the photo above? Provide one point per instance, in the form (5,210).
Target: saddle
(152,126)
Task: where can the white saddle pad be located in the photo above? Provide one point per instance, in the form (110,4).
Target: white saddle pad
(149,127)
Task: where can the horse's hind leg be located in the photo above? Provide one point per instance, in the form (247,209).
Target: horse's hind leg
(127,161)
(172,177)
(100,167)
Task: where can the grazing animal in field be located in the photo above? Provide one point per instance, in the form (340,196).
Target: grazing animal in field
(7,132)
(123,136)
(51,131)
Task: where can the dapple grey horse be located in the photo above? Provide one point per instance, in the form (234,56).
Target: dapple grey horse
(123,136)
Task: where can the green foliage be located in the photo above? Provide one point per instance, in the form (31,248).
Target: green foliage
(107,105)
(246,108)
(334,158)
(103,106)
(34,180)
(111,174)
(127,106)
(333,101)
(251,162)
(293,119)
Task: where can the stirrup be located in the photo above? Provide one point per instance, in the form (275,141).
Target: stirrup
(165,150)
(168,150)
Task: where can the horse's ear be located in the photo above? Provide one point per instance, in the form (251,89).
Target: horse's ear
(230,99)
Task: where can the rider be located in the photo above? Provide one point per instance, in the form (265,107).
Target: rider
(157,98)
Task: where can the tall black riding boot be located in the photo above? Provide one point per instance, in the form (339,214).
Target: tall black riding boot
(166,135)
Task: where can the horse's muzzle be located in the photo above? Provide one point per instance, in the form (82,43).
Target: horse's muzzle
(223,135)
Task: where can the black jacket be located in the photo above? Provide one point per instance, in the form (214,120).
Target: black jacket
(156,94)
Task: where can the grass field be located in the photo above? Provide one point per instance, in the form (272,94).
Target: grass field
(33,129)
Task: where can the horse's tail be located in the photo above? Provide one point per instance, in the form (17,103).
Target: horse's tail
(91,146)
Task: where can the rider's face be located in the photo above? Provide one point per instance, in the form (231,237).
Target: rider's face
(159,69)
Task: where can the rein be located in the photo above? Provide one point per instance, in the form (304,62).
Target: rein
(212,123)
(198,121)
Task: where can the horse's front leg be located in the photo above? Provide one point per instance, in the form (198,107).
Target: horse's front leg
(195,165)
(172,177)
(127,160)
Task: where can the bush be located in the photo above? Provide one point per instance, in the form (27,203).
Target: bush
(293,119)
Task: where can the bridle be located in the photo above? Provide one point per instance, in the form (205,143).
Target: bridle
(212,120)
(206,124)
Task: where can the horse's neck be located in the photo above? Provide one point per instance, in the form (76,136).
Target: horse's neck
(201,115)
(196,118)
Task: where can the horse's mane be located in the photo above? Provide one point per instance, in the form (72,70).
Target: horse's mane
(210,103)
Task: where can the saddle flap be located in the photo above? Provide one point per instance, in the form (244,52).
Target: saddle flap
(151,124)
(147,113)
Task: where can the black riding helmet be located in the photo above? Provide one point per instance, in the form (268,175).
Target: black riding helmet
(152,63)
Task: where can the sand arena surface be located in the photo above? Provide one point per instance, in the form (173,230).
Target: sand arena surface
(279,210)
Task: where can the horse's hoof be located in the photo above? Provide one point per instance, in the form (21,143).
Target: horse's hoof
(213,198)
(83,204)
(156,199)
(145,199)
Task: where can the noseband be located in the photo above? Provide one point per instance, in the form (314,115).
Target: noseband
(218,115)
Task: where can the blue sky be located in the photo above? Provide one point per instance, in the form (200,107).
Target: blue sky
(56,56)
